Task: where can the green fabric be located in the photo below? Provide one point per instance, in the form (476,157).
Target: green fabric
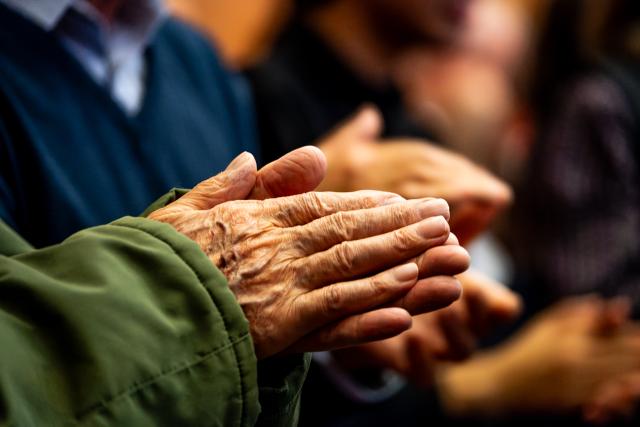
(10,242)
(280,399)
(129,324)
(164,200)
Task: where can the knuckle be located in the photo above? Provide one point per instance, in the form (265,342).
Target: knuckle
(344,258)
(356,332)
(378,286)
(300,240)
(369,198)
(404,240)
(313,203)
(402,214)
(342,225)
(332,301)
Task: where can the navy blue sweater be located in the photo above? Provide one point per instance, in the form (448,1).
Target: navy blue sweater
(71,158)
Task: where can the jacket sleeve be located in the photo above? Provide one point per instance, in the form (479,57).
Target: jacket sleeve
(280,380)
(123,324)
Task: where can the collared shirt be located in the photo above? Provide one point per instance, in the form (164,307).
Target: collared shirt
(112,53)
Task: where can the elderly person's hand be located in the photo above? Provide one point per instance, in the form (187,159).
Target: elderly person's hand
(301,266)
(414,169)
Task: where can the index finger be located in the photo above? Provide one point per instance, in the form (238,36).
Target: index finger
(489,302)
(304,208)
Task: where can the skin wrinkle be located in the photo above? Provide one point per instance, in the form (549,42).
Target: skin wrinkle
(267,257)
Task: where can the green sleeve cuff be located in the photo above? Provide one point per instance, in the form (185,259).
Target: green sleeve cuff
(164,200)
(208,274)
(235,323)
(280,381)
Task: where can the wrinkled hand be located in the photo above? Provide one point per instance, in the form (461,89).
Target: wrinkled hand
(444,335)
(414,169)
(554,365)
(296,263)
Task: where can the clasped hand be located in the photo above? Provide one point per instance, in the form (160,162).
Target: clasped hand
(318,271)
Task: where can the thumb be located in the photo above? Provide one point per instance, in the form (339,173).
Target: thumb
(234,183)
(488,298)
(366,123)
(297,172)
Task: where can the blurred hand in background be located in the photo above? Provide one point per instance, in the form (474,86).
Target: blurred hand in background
(557,364)
(413,168)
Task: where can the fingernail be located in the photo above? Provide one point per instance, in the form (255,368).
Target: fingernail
(240,160)
(433,227)
(430,207)
(453,239)
(405,273)
(393,200)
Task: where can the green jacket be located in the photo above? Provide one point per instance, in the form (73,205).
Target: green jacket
(130,324)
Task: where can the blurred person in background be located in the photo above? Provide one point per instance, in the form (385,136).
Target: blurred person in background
(128,90)
(467,92)
(335,56)
(575,361)
(581,195)
(579,218)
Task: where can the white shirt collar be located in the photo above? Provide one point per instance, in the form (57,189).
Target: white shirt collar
(47,13)
(112,53)
(44,13)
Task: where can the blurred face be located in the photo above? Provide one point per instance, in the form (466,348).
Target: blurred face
(418,20)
